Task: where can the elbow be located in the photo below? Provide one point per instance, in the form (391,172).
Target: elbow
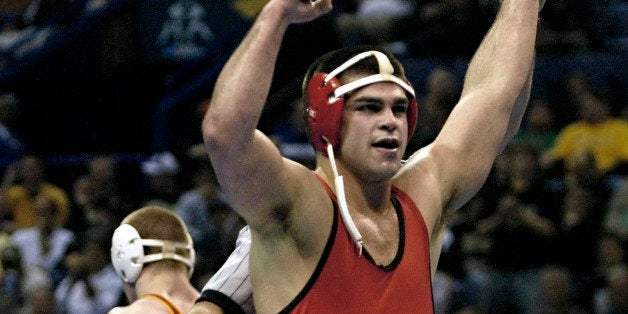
(212,134)
(220,135)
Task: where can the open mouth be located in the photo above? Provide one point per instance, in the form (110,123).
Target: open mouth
(387,143)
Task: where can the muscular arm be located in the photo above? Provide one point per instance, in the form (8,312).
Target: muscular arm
(494,98)
(248,165)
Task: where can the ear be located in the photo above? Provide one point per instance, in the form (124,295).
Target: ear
(129,291)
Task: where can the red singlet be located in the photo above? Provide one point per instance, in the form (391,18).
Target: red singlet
(344,282)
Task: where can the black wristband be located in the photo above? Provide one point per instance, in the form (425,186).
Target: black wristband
(227,305)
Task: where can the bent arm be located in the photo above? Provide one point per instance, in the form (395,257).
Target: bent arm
(494,97)
(248,166)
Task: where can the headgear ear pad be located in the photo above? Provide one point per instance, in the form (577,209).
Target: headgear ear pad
(325,110)
(324,117)
(127,252)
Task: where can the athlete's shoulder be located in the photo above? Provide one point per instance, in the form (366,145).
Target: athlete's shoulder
(118,310)
(141,306)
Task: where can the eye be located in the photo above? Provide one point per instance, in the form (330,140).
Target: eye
(400,107)
(369,106)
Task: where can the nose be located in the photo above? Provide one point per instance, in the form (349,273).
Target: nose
(389,121)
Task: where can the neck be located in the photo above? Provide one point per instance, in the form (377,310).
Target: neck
(173,285)
(361,194)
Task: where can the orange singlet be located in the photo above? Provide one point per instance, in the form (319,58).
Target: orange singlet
(173,309)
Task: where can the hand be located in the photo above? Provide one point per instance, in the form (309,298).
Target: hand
(301,11)
(541,4)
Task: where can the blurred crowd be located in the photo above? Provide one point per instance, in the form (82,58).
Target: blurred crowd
(55,241)
(546,234)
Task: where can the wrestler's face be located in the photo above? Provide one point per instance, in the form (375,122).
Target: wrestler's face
(374,131)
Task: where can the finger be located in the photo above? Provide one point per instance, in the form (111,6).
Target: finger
(321,5)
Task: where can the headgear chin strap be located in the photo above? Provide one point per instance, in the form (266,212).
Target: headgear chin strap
(127,252)
(342,202)
(326,99)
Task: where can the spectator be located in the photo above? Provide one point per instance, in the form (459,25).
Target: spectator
(375,22)
(12,280)
(569,26)
(44,246)
(21,184)
(161,171)
(521,228)
(41,300)
(447,28)
(467,259)
(557,292)
(596,132)
(577,235)
(98,190)
(91,284)
(442,92)
(613,298)
(616,215)
(611,275)
(104,177)
(539,129)
(611,252)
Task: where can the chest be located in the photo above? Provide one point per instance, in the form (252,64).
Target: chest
(380,236)
(348,281)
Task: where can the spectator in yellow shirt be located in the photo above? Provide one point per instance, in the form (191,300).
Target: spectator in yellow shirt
(596,132)
(22,182)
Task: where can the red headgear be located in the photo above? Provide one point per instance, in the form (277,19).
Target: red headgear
(325,95)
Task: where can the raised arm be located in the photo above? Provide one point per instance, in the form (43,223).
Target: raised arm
(494,97)
(247,163)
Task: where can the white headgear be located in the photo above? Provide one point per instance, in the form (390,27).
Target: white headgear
(127,252)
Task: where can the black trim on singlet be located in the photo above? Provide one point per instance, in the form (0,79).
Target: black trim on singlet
(330,243)
(227,305)
(319,266)
(402,239)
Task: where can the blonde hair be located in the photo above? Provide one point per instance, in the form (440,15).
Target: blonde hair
(155,222)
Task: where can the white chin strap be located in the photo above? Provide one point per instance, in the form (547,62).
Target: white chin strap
(342,202)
